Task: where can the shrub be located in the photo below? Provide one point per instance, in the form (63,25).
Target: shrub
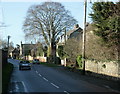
(55,60)
(79,61)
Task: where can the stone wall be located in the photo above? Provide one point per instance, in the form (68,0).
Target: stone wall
(110,68)
(41,58)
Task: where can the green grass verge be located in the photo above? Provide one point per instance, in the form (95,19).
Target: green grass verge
(49,64)
(6,74)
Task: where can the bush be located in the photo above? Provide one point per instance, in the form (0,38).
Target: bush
(79,61)
(57,60)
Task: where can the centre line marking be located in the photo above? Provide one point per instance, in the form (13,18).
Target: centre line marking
(55,85)
(45,79)
(40,75)
(66,92)
(36,72)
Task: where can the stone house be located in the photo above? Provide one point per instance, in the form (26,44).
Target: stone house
(15,53)
(25,49)
(76,32)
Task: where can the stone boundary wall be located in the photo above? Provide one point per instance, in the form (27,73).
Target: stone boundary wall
(41,58)
(110,68)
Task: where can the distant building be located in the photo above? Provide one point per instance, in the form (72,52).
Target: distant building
(15,53)
(32,51)
(25,49)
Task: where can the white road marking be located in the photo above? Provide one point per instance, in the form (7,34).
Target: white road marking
(45,79)
(106,86)
(24,86)
(16,87)
(36,71)
(40,75)
(66,92)
(54,85)
(10,91)
(110,88)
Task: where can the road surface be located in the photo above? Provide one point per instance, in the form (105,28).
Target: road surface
(46,79)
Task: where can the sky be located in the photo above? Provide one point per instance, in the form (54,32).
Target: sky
(13,14)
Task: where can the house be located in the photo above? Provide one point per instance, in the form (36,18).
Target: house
(25,50)
(75,33)
(15,53)
(32,51)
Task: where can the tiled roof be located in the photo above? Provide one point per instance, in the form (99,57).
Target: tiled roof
(74,30)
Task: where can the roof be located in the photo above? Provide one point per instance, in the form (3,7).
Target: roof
(74,30)
(75,33)
(28,45)
(15,50)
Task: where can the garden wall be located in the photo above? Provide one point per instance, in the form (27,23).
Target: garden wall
(110,68)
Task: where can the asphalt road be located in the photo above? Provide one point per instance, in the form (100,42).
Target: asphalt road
(46,79)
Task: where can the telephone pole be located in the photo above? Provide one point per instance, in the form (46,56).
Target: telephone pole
(65,35)
(84,37)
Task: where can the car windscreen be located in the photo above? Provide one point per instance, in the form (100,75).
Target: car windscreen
(21,62)
(24,62)
(27,62)
(37,59)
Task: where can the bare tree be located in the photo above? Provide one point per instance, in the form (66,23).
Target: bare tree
(48,20)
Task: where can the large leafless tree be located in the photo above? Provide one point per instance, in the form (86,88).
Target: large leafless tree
(48,20)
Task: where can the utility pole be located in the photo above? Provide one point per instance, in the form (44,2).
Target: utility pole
(84,37)
(65,35)
(65,44)
(8,44)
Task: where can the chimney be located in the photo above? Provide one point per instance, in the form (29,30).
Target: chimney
(76,26)
(21,42)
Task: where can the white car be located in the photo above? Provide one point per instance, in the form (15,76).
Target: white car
(24,65)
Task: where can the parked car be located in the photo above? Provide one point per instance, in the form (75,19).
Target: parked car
(36,61)
(24,65)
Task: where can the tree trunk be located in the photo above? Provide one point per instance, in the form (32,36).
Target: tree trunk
(53,49)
